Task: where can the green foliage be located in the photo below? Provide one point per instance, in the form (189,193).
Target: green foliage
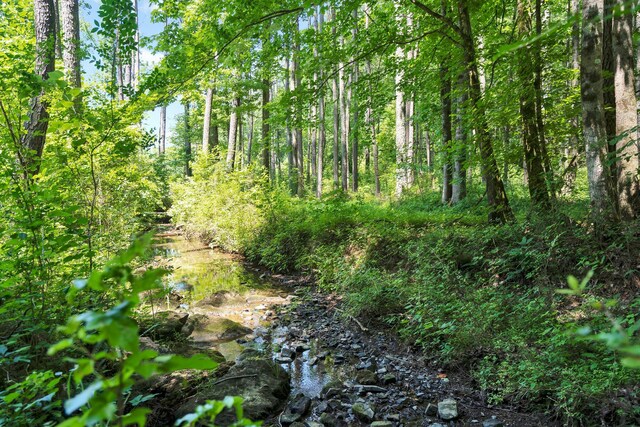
(211,409)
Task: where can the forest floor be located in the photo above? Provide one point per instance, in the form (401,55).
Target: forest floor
(378,376)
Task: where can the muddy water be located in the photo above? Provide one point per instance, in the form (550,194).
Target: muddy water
(241,295)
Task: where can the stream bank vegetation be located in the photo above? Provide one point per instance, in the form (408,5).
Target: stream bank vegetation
(441,165)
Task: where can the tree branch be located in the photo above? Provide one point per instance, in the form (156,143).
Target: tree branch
(445,20)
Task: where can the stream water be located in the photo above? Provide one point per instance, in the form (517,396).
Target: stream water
(219,285)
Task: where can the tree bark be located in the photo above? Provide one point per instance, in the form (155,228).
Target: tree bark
(206,125)
(531,138)
(71,40)
(354,110)
(626,113)
(36,127)
(187,141)
(233,130)
(500,211)
(321,117)
(298,141)
(593,118)
(459,188)
(163,130)
(266,134)
(344,127)
(447,167)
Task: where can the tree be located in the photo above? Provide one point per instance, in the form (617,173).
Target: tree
(593,120)
(626,114)
(36,127)
(71,40)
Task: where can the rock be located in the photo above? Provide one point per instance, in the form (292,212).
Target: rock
(393,417)
(432,410)
(448,409)
(389,379)
(299,405)
(366,377)
(363,411)
(437,425)
(382,424)
(492,422)
(328,420)
(287,353)
(147,343)
(361,389)
(164,325)
(211,330)
(215,300)
(313,424)
(313,361)
(250,353)
(263,385)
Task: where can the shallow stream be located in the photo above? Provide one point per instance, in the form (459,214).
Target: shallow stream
(209,282)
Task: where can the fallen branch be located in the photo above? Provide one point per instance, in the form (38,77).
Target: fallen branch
(362,328)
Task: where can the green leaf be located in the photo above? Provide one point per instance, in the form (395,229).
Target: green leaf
(136,417)
(171,363)
(81,399)
(59,346)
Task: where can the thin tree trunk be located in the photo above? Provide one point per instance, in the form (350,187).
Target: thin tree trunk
(266,141)
(459,188)
(447,167)
(609,98)
(233,128)
(206,125)
(496,195)
(626,113)
(187,141)
(531,139)
(344,127)
(299,152)
(250,139)
(321,125)
(36,127)
(593,118)
(571,152)
(163,130)
(354,109)
(337,107)
(290,147)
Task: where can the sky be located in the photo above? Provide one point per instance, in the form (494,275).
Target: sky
(148,59)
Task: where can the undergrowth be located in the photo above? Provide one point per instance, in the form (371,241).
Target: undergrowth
(472,296)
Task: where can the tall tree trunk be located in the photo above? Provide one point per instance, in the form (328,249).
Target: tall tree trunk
(571,151)
(36,128)
(71,40)
(459,188)
(206,125)
(531,139)
(250,139)
(593,118)
(354,110)
(266,135)
(626,113)
(608,72)
(337,107)
(187,141)
(401,134)
(240,144)
(500,211)
(298,140)
(135,60)
(291,157)
(162,137)
(233,130)
(344,127)
(447,167)
(321,125)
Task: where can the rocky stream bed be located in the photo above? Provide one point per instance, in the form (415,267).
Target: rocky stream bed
(295,356)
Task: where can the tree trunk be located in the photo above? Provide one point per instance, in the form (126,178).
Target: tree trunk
(233,129)
(36,127)
(593,119)
(459,188)
(344,127)
(162,137)
(187,141)
(447,167)
(266,141)
(500,211)
(321,127)
(206,125)
(71,40)
(298,143)
(609,98)
(289,136)
(626,113)
(250,139)
(531,139)
(336,115)
(354,110)
(571,151)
